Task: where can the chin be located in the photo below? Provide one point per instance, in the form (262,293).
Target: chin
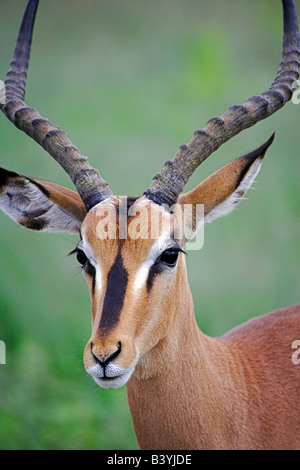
(114,382)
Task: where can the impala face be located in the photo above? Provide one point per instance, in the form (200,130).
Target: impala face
(130,280)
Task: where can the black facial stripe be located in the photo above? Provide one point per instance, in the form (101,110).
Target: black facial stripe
(91,271)
(94,282)
(114,296)
(158,268)
(154,270)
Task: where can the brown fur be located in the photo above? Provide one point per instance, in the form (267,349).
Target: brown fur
(189,391)
(236,392)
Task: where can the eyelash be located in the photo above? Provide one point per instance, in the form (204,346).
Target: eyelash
(83,260)
(79,252)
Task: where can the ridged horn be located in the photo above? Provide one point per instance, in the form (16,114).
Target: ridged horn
(87,180)
(167,185)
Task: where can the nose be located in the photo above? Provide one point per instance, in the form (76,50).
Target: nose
(104,358)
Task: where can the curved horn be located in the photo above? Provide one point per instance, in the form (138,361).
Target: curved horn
(87,180)
(170,181)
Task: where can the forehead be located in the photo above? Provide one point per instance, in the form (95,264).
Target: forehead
(139,224)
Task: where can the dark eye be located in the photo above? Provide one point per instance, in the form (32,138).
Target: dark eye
(81,258)
(169,257)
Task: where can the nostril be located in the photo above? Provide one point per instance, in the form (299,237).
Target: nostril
(110,357)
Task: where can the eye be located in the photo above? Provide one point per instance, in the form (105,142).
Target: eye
(81,258)
(169,257)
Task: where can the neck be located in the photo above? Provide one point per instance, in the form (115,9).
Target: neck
(178,389)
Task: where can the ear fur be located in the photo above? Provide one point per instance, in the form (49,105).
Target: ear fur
(221,191)
(38,205)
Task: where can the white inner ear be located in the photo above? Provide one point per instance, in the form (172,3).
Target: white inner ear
(23,200)
(229,204)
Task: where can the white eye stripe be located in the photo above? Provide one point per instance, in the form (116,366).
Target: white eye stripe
(99,279)
(141,277)
(87,249)
(155,251)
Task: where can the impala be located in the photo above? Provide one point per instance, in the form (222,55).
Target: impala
(185,389)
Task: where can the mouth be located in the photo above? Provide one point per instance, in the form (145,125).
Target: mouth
(113,378)
(113,382)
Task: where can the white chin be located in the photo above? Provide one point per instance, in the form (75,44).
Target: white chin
(113,382)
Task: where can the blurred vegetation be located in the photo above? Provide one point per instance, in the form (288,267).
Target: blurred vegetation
(130,81)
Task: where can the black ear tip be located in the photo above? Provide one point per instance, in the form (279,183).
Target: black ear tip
(271,139)
(265,146)
(259,153)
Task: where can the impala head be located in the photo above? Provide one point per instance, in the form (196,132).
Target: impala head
(122,274)
(132,249)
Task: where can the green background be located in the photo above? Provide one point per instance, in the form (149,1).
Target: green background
(130,81)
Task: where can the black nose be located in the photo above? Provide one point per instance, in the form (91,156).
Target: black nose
(103,361)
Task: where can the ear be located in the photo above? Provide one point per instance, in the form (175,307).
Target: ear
(220,192)
(38,205)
